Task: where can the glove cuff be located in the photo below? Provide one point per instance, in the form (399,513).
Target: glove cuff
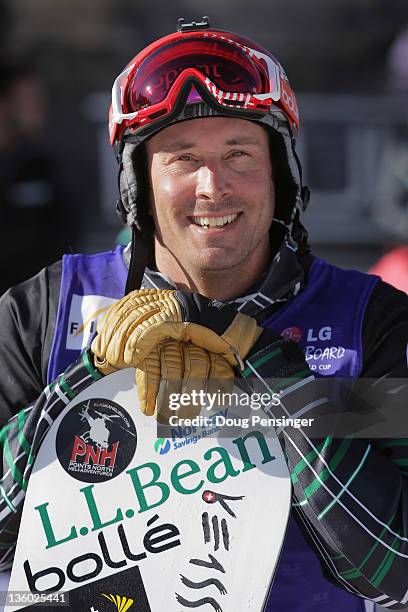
(242,334)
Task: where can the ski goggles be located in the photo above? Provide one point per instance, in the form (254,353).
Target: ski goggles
(230,74)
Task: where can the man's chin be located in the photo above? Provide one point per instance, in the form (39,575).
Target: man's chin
(218,263)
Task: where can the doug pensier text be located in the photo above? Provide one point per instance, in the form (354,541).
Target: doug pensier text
(244,423)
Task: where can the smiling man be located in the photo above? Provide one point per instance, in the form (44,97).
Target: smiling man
(219,281)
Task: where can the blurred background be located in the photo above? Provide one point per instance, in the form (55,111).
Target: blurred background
(347,61)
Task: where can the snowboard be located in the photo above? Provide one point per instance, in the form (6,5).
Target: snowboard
(117,518)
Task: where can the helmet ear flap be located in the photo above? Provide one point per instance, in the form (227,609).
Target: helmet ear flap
(285,187)
(144,219)
(120,207)
(132,207)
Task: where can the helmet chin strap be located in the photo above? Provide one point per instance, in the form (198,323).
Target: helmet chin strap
(140,258)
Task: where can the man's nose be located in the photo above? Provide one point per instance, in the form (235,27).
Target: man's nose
(212,183)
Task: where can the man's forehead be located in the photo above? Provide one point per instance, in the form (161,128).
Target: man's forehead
(229,131)
(180,144)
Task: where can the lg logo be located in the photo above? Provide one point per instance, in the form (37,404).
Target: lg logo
(295,334)
(324,333)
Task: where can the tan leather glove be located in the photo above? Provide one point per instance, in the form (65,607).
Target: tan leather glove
(133,327)
(178,367)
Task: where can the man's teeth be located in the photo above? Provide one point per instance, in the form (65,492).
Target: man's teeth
(214,221)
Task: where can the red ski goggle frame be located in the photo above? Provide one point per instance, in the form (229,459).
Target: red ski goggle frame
(231,75)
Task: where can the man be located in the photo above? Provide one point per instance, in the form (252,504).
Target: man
(204,125)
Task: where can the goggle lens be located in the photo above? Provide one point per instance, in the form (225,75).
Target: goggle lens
(225,64)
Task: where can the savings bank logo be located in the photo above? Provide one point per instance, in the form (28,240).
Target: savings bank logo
(162,446)
(96,440)
(292,333)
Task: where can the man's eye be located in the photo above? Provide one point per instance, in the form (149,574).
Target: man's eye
(185,157)
(238,154)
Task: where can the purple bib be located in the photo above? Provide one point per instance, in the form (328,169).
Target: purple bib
(89,285)
(326,318)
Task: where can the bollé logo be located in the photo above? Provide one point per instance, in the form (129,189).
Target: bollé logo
(88,565)
(162,446)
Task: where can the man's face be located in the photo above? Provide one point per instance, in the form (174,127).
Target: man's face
(212,195)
